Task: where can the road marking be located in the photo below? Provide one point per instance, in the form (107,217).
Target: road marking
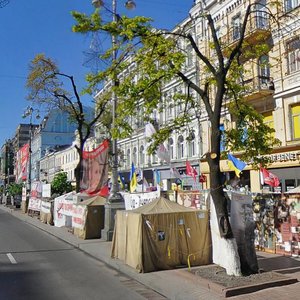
(11,258)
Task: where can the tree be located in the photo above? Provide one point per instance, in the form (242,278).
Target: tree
(156,57)
(15,189)
(60,184)
(46,86)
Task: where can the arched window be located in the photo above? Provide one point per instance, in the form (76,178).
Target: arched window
(154,158)
(171,148)
(142,155)
(122,158)
(134,156)
(128,163)
(189,55)
(180,147)
(191,144)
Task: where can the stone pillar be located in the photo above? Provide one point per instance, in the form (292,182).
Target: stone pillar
(114,203)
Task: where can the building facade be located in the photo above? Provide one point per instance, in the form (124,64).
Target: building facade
(272,80)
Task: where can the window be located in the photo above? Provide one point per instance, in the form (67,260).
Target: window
(291,4)
(128,158)
(264,69)
(169,105)
(154,158)
(189,56)
(236,28)
(134,155)
(180,147)
(261,20)
(268,120)
(293,56)
(191,143)
(171,148)
(142,155)
(295,118)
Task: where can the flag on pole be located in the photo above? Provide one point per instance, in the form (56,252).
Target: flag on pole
(268,178)
(235,164)
(133,180)
(175,173)
(157,177)
(161,151)
(190,171)
(121,181)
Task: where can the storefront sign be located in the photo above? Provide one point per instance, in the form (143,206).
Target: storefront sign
(288,156)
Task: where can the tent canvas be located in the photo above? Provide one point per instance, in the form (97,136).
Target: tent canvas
(88,218)
(162,235)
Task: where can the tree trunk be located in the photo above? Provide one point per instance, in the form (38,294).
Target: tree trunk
(77,177)
(216,183)
(78,169)
(78,173)
(224,244)
(224,251)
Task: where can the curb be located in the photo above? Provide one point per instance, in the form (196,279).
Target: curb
(230,292)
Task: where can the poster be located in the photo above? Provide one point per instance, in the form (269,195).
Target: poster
(95,169)
(79,216)
(62,211)
(193,199)
(35,199)
(46,207)
(22,158)
(136,200)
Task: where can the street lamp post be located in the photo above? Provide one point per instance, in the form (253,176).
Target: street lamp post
(115,200)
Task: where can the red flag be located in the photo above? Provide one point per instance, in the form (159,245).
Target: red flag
(104,192)
(269,178)
(190,170)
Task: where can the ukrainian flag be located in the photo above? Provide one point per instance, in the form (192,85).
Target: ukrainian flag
(236,164)
(133,180)
(121,182)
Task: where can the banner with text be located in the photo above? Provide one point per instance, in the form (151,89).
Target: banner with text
(136,200)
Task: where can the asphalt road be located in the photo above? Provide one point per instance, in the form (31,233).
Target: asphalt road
(36,265)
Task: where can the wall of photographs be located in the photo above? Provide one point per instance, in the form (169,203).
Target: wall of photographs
(277,220)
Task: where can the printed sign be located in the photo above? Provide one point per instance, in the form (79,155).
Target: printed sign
(79,216)
(34,204)
(136,200)
(46,207)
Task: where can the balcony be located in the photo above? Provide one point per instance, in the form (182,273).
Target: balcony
(257,87)
(258,30)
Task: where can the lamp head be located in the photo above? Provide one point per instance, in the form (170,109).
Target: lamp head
(97,3)
(130,4)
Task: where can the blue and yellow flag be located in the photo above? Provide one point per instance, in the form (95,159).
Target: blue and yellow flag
(133,180)
(121,181)
(236,164)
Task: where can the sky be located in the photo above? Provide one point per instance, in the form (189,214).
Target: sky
(30,27)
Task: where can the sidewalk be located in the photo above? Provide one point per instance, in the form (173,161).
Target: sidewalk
(173,284)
